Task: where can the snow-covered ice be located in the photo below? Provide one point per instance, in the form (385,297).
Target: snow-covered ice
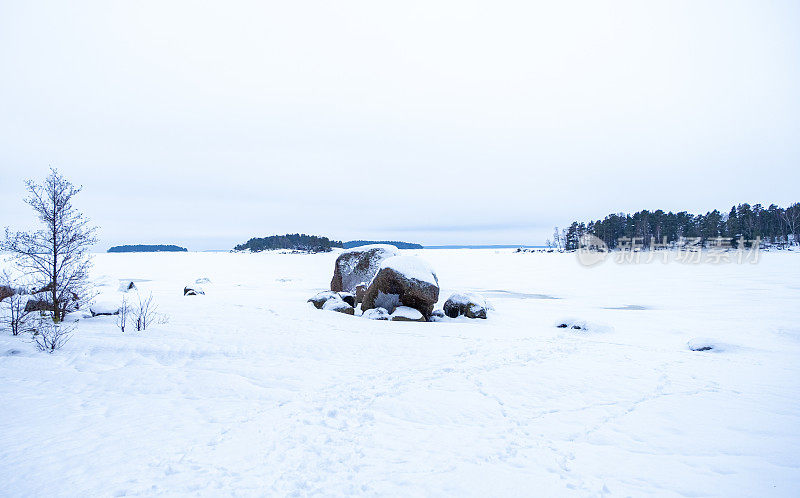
(251,391)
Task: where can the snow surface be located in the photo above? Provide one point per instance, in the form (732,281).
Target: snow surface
(251,391)
(412,267)
(106,304)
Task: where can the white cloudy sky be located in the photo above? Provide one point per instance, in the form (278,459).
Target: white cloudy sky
(206,123)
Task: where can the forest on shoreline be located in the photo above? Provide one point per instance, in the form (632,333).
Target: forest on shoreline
(743,222)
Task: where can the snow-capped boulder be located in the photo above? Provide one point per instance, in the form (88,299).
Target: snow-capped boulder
(125,286)
(104,307)
(193,290)
(321,298)
(376,314)
(403,281)
(339,306)
(706,344)
(6,291)
(406,314)
(358,265)
(466,304)
(203,280)
(43,301)
(348,298)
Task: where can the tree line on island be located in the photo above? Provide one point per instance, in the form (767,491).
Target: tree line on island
(310,243)
(148,248)
(772,225)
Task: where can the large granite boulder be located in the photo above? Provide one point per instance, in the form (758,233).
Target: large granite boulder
(403,281)
(359,265)
(466,304)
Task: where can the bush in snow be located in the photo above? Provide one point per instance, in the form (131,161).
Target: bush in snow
(13,306)
(48,336)
(145,313)
(15,315)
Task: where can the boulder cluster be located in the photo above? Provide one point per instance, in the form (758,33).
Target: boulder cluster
(377,283)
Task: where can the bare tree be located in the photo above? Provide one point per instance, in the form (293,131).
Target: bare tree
(50,336)
(56,257)
(558,242)
(16,317)
(145,313)
(124,314)
(791,216)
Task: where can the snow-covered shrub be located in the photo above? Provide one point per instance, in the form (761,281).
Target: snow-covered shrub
(14,314)
(50,336)
(145,313)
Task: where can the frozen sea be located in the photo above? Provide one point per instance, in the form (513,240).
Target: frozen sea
(250,391)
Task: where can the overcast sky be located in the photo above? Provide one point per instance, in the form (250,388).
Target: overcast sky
(207,123)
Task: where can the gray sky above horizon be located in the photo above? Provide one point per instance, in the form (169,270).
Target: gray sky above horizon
(207,123)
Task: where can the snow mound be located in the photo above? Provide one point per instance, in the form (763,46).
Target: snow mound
(104,306)
(338,305)
(126,285)
(583,326)
(406,313)
(706,344)
(376,314)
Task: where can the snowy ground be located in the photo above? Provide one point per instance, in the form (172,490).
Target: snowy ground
(248,390)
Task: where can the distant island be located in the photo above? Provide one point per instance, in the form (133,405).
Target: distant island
(296,242)
(397,244)
(148,248)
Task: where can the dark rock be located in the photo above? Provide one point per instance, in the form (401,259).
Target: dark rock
(348,298)
(359,265)
(466,304)
(127,286)
(193,291)
(6,291)
(361,289)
